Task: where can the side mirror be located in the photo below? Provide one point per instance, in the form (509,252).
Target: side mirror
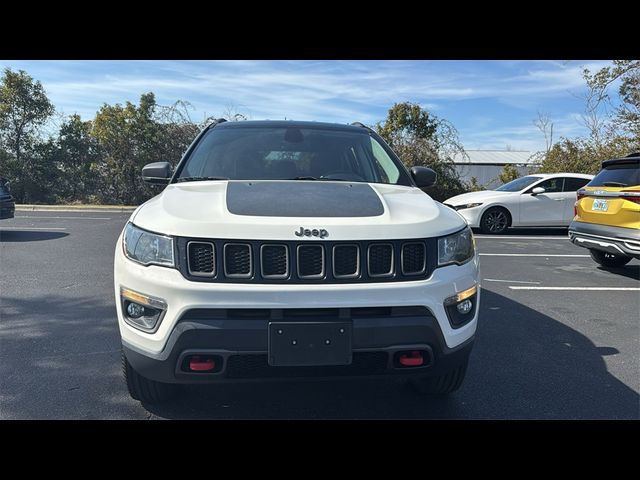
(423,176)
(537,191)
(157,173)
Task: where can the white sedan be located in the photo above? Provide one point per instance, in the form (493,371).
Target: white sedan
(540,200)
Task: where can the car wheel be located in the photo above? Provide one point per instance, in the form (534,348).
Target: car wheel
(609,259)
(143,389)
(494,220)
(443,384)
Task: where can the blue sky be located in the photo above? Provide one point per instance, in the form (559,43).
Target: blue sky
(492,103)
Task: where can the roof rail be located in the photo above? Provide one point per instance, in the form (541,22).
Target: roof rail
(631,155)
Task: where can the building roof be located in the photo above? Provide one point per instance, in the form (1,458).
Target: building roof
(494,157)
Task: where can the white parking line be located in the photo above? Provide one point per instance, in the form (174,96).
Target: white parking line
(514,237)
(72,218)
(529,255)
(32,228)
(508,281)
(603,289)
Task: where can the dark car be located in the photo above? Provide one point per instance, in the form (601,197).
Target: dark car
(7,204)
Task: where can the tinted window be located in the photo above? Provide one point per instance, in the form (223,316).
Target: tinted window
(553,185)
(624,175)
(518,184)
(572,184)
(281,153)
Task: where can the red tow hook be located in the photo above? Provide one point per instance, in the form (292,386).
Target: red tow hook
(197,364)
(415,359)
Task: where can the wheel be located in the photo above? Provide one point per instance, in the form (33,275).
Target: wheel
(143,389)
(494,220)
(609,259)
(443,384)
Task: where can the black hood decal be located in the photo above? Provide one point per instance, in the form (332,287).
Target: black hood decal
(302,199)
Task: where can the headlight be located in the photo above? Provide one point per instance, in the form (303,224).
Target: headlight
(468,205)
(147,248)
(458,248)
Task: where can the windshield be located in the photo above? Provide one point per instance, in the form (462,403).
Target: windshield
(284,153)
(518,184)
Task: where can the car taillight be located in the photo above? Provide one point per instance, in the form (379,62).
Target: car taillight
(632,198)
(580,194)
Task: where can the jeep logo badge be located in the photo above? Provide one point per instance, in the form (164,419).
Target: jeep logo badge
(305,232)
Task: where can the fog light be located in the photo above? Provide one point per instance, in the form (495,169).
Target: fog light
(134,310)
(465,307)
(142,311)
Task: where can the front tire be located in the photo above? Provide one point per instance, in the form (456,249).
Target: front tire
(495,221)
(443,384)
(609,259)
(142,389)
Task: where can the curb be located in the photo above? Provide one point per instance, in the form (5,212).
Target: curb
(75,208)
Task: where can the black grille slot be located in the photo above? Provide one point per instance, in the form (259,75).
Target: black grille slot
(310,261)
(275,261)
(237,260)
(414,258)
(380,260)
(201,259)
(346,261)
(257,366)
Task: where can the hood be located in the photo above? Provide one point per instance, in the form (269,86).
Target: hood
(274,210)
(476,197)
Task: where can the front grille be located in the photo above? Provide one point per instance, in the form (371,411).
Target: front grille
(274,261)
(201,258)
(254,261)
(346,261)
(380,260)
(414,258)
(237,260)
(257,366)
(310,261)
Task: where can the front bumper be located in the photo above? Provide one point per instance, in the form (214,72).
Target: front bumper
(239,342)
(7,208)
(606,238)
(471,215)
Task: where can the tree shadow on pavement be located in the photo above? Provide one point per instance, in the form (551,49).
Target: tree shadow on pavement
(525,365)
(29,235)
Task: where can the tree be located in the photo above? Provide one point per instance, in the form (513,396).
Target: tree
(582,155)
(508,173)
(473,185)
(24,107)
(422,139)
(77,155)
(625,108)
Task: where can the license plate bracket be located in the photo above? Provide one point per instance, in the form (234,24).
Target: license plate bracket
(310,343)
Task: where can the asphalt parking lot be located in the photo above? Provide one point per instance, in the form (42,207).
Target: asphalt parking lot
(559,337)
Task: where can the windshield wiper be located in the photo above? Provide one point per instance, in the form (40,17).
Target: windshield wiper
(614,184)
(197,179)
(321,179)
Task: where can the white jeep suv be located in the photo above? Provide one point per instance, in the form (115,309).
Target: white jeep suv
(283,249)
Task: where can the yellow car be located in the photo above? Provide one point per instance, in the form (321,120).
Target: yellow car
(607,213)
